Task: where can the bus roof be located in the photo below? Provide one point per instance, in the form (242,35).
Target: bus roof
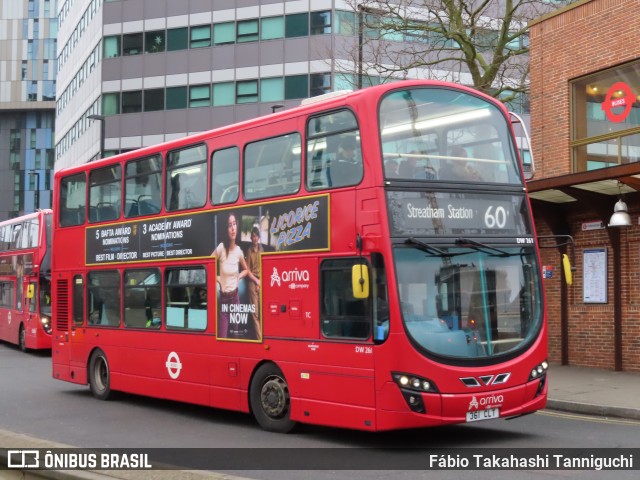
(43,211)
(328,101)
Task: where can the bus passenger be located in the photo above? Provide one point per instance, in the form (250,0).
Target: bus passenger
(152,309)
(346,169)
(232,267)
(391,168)
(457,168)
(199,298)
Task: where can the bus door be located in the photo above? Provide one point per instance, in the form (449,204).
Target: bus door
(30,306)
(69,327)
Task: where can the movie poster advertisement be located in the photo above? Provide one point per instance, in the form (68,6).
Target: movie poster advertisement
(237,237)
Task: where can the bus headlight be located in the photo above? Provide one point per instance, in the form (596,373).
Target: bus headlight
(539,370)
(414,382)
(412,387)
(46,323)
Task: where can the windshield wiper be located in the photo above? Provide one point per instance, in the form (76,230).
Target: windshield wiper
(428,248)
(481,247)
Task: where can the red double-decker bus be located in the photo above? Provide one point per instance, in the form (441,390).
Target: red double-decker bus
(25,281)
(366,260)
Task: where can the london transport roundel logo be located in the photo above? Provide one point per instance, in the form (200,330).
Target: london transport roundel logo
(173,365)
(625,101)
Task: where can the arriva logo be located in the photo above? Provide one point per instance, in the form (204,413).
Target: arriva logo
(490,401)
(293,277)
(275,278)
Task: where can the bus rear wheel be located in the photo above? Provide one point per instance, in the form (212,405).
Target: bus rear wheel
(99,376)
(22,339)
(270,400)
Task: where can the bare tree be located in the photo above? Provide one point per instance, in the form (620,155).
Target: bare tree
(482,43)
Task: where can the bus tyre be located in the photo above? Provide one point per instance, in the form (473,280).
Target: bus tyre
(22,339)
(99,376)
(270,400)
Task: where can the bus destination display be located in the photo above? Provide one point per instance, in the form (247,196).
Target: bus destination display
(443,213)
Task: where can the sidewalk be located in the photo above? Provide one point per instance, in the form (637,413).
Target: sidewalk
(592,391)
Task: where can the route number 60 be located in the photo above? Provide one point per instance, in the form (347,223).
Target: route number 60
(495,217)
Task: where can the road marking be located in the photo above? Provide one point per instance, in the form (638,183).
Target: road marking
(588,418)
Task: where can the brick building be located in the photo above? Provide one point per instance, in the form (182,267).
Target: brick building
(585,125)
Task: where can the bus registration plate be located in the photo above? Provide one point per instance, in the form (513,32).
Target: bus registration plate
(487,414)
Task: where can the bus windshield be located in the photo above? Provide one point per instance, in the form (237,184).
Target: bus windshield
(472,302)
(445,135)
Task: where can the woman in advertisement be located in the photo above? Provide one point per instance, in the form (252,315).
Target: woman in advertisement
(232,317)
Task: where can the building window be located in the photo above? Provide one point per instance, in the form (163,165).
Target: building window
(111,47)
(154,100)
(223,94)
(296,86)
(132,44)
(224,33)
(247,31)
(177,39)
(32,50)
(320,84)
(32,91)
(14,140)
(154,42)
(272,28)
(111,103)
(176,98)
(49,90)
(272,89)
(247,92)
(199,96)
(200,36)
(132,101)
(297,25)
(320,23)
(605,118)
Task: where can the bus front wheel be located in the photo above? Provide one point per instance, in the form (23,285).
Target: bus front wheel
(270,400)
(99,377)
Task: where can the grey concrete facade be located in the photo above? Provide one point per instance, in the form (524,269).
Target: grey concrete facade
(27,101)
(285,60)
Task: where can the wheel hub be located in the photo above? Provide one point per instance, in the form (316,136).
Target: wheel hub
(275,397)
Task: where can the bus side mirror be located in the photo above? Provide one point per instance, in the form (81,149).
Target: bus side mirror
(360,281)
(524,145)
(31,291)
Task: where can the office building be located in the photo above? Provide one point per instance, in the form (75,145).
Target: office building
(138,72)
(28,30)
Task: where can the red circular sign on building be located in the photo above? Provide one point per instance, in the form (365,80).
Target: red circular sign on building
(625,101)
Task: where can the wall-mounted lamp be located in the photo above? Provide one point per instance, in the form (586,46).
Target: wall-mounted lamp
(620,217)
